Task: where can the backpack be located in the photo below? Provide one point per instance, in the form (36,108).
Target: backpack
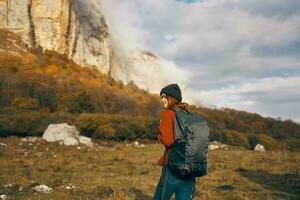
(188,154)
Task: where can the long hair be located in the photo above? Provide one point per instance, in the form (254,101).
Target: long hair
(172,102)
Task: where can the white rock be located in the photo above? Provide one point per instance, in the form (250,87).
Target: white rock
(3,144)
(86,141)
(30,139)
(259,148)
(213,147)
(138,66)
(216,145)
(65,134)
(43,188)
(8,185)
(39,154)
(57,132)
(70,141)
(3,197)
(136,144)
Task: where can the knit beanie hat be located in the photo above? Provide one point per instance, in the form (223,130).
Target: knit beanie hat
(172,90)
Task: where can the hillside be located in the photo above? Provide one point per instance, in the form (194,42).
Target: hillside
(114,170)
(41,87)
(79,30)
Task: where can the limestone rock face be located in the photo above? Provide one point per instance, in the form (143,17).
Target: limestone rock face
(72,27)
(14,16)
(77,28)
(141,67)
(11,43)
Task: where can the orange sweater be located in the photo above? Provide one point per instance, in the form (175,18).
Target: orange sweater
(165,130)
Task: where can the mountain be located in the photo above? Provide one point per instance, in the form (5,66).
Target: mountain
(74,28)
(77,29)
(39,88)
(58,64)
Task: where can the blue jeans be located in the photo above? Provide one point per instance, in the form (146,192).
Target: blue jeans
(181,187)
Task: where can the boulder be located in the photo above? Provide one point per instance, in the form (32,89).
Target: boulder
(65,134)
(57,132)
(259,148)
(70,141)
(86,141)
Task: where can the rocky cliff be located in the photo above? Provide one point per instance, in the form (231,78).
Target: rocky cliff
(77,29)
(72,27)
(143,68)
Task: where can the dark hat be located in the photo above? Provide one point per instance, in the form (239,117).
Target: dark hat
(172,90)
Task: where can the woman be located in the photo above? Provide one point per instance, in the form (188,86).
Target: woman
(169,183)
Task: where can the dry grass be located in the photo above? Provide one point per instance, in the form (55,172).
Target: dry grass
(113,171)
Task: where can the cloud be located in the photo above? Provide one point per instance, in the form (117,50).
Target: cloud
(234,53)
(125,26)
(190,1)
(263,94)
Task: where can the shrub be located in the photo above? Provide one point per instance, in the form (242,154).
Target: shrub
(25,123)
(235,138)
(80,102)
(292,144)
(105,131)
(216,135)
(25,103)
(119,127)
(268,142)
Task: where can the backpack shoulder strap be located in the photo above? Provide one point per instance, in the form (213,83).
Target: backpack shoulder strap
(179,127)
(174,108)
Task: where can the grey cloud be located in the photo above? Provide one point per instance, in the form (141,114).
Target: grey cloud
(268,8)
(225,43)
(274,97)
(285,110)
(289,49)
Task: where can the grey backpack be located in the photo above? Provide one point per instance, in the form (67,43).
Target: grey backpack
(188,154)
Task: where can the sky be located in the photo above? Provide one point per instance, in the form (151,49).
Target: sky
(241,54)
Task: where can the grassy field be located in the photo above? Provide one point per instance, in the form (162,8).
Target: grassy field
(112,170)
